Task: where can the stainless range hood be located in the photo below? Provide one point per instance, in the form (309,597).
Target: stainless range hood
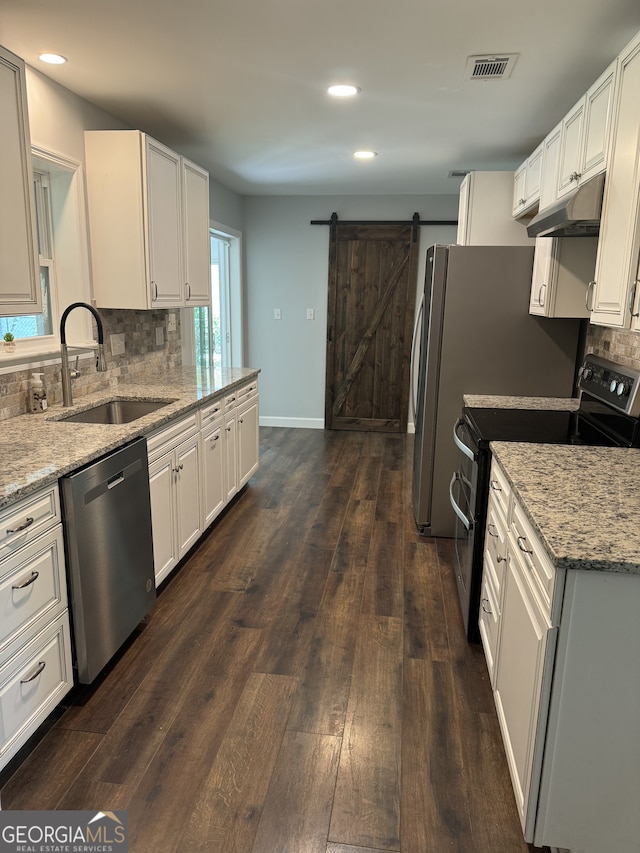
(575,215)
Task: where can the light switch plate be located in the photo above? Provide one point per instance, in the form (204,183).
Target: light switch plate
(311,314)
(277,314)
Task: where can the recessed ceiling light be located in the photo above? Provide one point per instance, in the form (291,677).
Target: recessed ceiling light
(343,90)
(52,58)
(365,155)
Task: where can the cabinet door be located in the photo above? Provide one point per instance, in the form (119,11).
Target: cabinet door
(525,645)
(195,219)
(571,149)
(597,123)
(230,456)
(213,489)
(520,189)
(550,162)
(163,196)
(462,237)
(615,299)
(19,269)
(248,442)
(161,487)
(534,176)
(188,493)
(541,279)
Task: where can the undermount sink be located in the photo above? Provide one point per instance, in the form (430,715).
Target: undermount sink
(116,411)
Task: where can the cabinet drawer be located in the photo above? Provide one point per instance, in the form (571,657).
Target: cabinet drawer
(247,392)
(32,683)
(489,622)
(177,431)
(210,413)
(540,570)
(28,518)
(32,588)
(500,489)
(495,541)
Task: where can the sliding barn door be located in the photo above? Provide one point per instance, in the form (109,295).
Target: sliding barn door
(372,285)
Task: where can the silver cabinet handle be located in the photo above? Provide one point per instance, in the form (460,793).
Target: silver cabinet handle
(155,290)
(491,530)
(500,558)
(178,468)
(485,602)
(28,582)
(632,299)
(521,540)
(495,486)
(188,289)
(214,439)
(35,674)
(24,526)
(541,298)
(587,300)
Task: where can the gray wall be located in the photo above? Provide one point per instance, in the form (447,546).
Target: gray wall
(286,267)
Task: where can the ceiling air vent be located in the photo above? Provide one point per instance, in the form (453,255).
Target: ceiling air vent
(490,67)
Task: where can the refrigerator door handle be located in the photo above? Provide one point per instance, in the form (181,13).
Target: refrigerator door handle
(414,366)
(463,518)
(459,443)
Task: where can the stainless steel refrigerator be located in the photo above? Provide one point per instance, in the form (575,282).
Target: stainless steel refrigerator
(474,335)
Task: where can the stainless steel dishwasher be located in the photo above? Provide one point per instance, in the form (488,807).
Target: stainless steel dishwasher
(107,523)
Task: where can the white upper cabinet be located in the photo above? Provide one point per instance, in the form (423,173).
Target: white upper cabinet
(149,223)
(19,272)
(562,270)
(549,172)
(195,220)
(526,183)
(586,134)
(615,298)
(483,211)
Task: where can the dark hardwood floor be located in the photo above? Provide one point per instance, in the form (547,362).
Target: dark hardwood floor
(302,685)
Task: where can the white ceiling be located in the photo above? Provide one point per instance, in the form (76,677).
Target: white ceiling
(239,85)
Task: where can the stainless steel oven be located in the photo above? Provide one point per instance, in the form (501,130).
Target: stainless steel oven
(608,415)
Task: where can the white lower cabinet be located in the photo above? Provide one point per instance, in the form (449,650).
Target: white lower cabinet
(196,466)
(36,668)
(567,691)
(174,485)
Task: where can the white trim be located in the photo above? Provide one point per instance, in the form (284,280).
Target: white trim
(298,423)
(411,428)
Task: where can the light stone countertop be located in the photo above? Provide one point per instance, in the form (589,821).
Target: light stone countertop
(584,502)
(488,401)
(36,449)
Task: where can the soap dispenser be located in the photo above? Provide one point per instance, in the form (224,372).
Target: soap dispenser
(37,393)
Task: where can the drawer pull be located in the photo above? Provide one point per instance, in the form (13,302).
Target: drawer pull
(495,486)
(28,582)
(487,610)
(38,670)
(521,540)
(500,558)
(24,526)
(491,530)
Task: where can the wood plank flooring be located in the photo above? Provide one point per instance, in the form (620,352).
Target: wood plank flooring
(303,684)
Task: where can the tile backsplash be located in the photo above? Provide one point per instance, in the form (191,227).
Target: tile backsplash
(142,354)
(614,344)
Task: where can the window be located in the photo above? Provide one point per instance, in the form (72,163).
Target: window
(38,325)
(220,326)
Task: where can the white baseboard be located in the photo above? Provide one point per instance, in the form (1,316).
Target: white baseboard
(411,428)
(299,423)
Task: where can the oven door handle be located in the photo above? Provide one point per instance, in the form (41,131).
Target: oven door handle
(459,443)
(467,522)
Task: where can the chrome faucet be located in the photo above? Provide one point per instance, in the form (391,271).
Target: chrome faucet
(101,365)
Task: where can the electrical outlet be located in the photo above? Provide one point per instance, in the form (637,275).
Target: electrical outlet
(311,314)
(277,314)
(159,336)
(171,322)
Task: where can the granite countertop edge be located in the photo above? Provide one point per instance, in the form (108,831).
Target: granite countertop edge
(581,502)
(494,401)
(37,449)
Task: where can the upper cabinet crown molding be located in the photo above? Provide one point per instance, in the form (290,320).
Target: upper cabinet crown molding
(19,269)
(148,221)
